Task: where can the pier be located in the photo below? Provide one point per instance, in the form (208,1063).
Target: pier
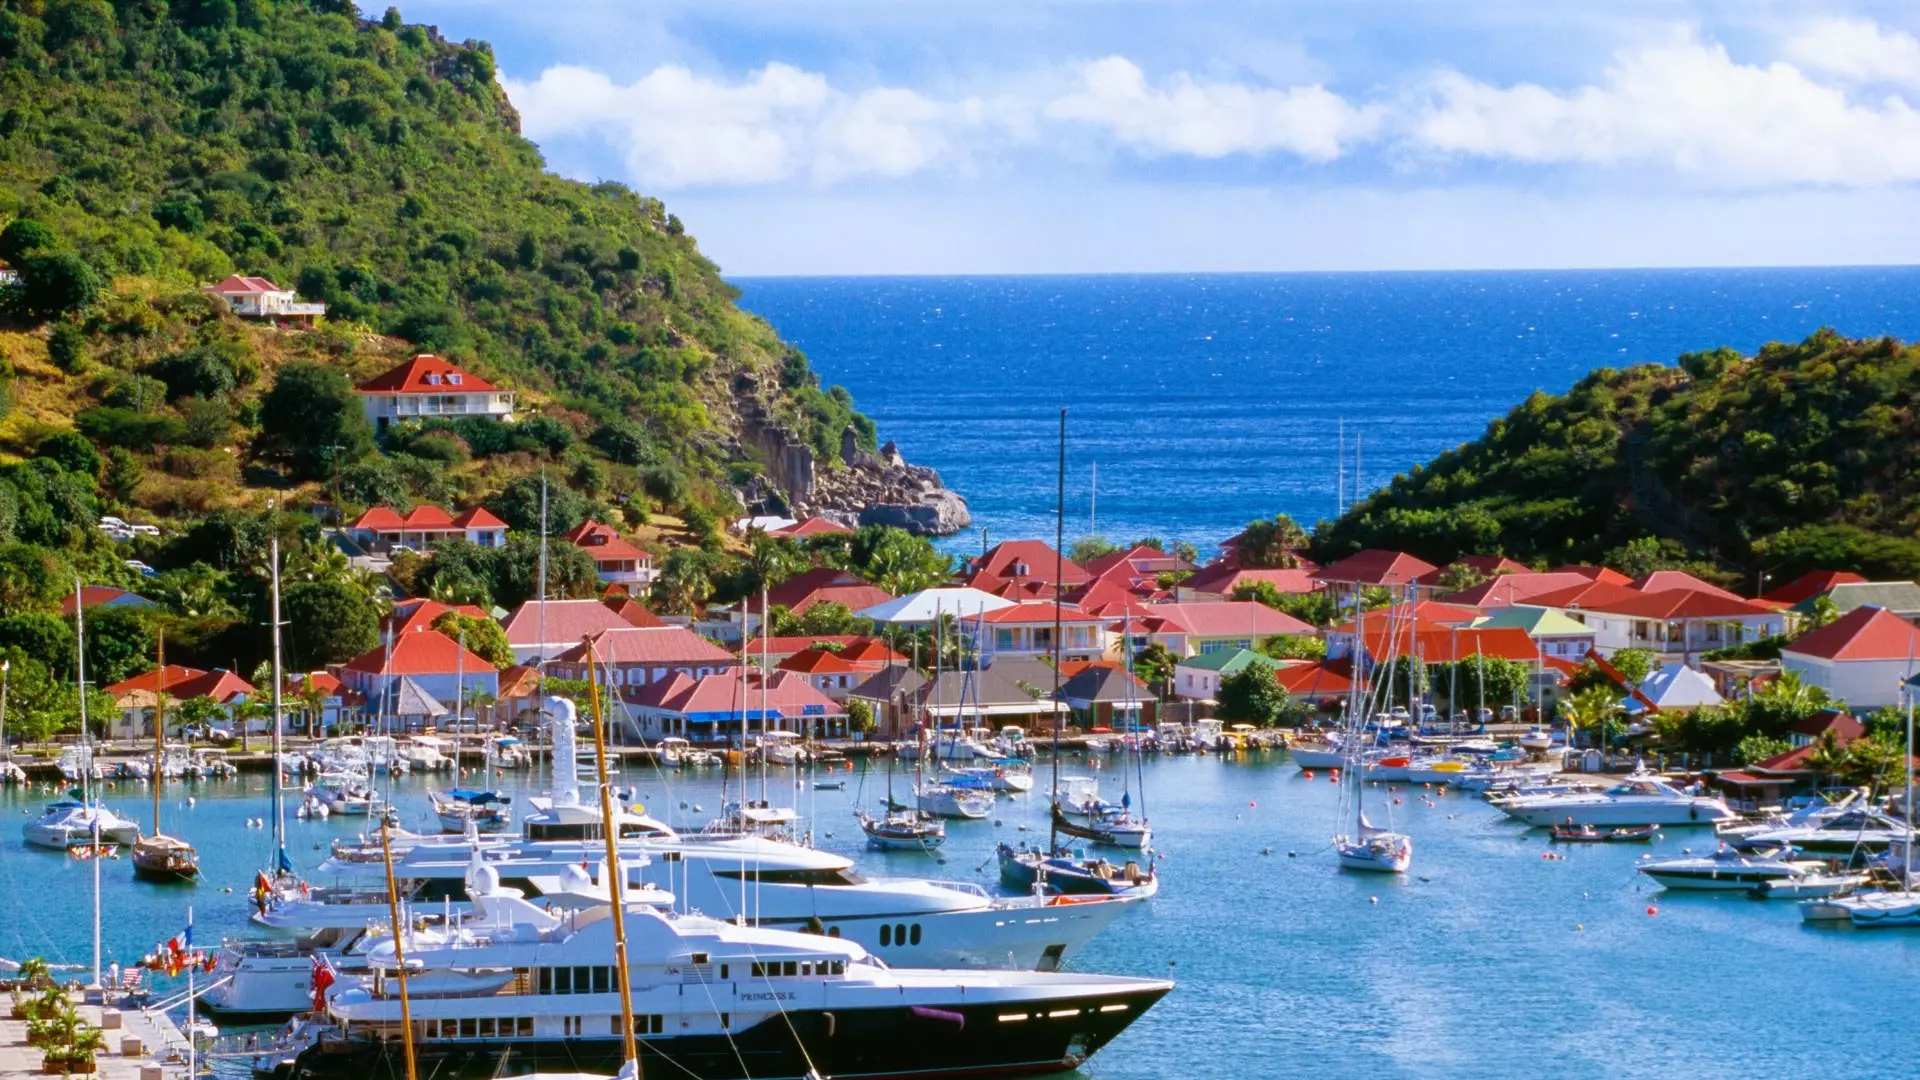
(140,1045)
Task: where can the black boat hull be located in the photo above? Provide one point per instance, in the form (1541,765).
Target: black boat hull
(872,1044)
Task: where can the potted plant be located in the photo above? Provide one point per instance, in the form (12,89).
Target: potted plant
(35,973)
(87,1042)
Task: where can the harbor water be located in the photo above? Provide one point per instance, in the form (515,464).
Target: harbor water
(1487,960)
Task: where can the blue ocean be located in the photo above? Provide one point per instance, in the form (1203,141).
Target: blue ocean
(1203,401)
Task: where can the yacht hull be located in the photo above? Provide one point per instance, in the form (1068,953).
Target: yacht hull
(1317,759)
(903,1042)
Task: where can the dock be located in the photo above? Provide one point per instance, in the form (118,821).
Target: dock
(140,1045)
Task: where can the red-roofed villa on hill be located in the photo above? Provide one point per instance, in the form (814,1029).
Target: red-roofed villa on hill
(616,559)
(430,386)
(259,298)
(1674,624)
(424,528)
(711,708)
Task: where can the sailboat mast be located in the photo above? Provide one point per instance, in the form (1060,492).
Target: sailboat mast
(1059,574)
(610,835)
(80,683)
(1340,470)
(279,720)
(159,726)
(399,947)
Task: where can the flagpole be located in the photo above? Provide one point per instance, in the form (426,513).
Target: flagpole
(192,1073)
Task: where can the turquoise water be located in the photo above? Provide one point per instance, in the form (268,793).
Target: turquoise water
(1209,399)
(1487,961)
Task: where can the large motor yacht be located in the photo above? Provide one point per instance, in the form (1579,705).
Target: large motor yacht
(1641,799)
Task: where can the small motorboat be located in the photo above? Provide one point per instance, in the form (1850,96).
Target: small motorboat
(1027,870)
(1536,738)
(1587,834)
(165,858)
(73,822)
(829,785)
(1728,869)
(486,811)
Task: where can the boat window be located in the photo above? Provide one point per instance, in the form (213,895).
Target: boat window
(723,971)
(699,958)
(886,935)
(899,933)
(914,935)
(839,967)
(523,1026)
(602,979)
(486,1027)
(814,876)
(646,1024)
(468,1028)
(792,969)
(582,979)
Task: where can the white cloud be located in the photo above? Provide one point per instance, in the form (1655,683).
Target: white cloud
(676,129)
(1184,116)
(1684,105)
(1860,50)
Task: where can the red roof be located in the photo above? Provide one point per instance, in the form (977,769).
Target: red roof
(1510,589)
(871,653)
(633,611)
(1842,724)
(95,595)
(820,585)
(1593,595)
(418,614)
(424,518)
(604,542)
(1376,567)
(1811,584)
(566,620)
(1007,559)
(422,652)
(1137,567)
(1228,618)
(219,684)
(1681,603)
(1664,580)
(1015,589)
(813,526)
(785,693)
(426,374)
(647,645)
(519,681)
(1603,574)
(818,662)
(236,284)
(1426,614)
(149,680)
(1440,645)
(1865,633)
(1223,579)
(1312,679)
(325,681)
(1488,565)
(1038,613)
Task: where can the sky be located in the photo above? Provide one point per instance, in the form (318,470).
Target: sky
(1075,136)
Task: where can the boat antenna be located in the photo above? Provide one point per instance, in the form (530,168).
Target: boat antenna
(281,863)
(610,833)
(399,945)
(1059,573)
(1340,471)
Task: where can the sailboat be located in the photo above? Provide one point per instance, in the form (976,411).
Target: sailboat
(901,828)
(1892,907)
(1056,868)
(160,857)
(931,796)
(1369,847)
(10,770)
(80,820)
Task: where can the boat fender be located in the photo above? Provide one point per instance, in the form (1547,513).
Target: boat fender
(1693,812)
(830,1024)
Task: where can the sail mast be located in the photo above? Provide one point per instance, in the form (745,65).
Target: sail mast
(159,726)
(610,833)
(280,861)
(399,947)
(1059,573)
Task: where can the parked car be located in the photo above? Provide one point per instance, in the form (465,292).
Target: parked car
(142,568)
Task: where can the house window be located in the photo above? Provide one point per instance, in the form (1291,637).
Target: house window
(1003,639)
(454,378)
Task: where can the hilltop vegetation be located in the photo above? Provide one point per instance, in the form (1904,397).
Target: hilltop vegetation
(1798,457)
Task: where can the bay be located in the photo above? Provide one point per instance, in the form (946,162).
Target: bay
(1487,961)
(1208,400)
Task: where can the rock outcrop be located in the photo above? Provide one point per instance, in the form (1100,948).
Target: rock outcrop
(872,489)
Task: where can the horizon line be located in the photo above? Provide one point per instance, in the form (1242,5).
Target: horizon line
(1395,271)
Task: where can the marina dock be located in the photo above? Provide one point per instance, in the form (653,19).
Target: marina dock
(140,1045)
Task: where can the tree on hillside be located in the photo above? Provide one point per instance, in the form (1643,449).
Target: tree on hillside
(23,237)
(1634,665)
(53,286)
(1293,647)
(518,504)
(1461,576)
(328,622)
(482,637)
(1313,608)
(897,560)
(1271,544)
(312,421)
(684,583)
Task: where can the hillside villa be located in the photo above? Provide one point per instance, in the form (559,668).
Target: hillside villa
(631,657)
(430,386)
(617,560)
(382,529)
(260,298)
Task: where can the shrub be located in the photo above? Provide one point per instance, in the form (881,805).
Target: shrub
(111,426)
(66,348)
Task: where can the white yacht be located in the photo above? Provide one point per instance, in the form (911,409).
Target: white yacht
(1641,799)
(708,999)
(944,800)
(1729,870)
(71,823)
(1859,828)
(77,766)
(343,793)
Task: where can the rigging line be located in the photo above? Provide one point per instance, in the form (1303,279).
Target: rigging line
(706,987)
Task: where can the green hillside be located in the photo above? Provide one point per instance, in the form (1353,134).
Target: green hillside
(1801,456)
(379,169)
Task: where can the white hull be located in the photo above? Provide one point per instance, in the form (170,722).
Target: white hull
(970,805)
(1375,859)
(1883,910)
(1317,759)
(1614,814)
(1710,881)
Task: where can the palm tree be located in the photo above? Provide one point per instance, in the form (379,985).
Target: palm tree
(312,700)
(35,972)
(256,707)
(1822,612)
(1590,710)
(1828,758)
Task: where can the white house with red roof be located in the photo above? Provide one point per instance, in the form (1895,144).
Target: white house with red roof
(1027,630)
(423,528)
(1197,629)
(1025,562)
(631,657)
(616,559)
(1860,658)
(260,298)
(429,658)
(137,697)
(430,386)
(1680,624)
(419,613)
(813,526)
(713,708)
(1219,581)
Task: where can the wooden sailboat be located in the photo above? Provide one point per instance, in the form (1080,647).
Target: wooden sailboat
(1367,846)
(160,857)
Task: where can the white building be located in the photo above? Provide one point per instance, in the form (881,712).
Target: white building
(259,298)
(430,386)
(1860,658)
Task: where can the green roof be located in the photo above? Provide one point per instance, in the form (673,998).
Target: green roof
(1896,596)
(1537,622)
(1228,662)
